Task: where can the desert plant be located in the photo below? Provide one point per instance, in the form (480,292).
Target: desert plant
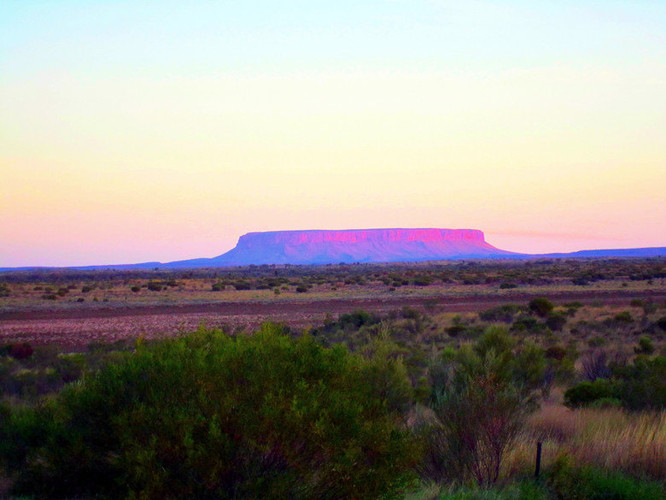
(595,365)
(214,416)
(645,345)
(20,351)
(588,392)
(482,404)
(504,313)
(556,322)
(154,286)
(541,306)
(570,481)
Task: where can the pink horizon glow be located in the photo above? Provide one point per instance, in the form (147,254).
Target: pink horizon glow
(134,132)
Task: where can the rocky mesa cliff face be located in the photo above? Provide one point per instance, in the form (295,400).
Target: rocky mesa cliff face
(358,245)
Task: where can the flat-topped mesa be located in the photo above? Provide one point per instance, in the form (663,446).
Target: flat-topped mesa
(359,236)
(358,245)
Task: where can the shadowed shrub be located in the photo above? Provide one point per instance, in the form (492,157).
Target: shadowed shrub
(541,306)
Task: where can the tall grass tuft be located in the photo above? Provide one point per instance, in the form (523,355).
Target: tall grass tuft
(608,438)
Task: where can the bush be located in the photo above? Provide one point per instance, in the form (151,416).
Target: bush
(20,351)
(556,322)
(639,386)
(527,324)
(504,313)
(541,306)
(569,481)
(586,393)
(357,319)
(242,285)
(422,281)
(456,330)
(623,317)
(154,286)
(556,352)
(525,490)
(642,385)
(481,406)
(661,323)
(213,416)
(595,365)
(645,345)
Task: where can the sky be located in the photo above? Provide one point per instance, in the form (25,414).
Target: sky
(157,131)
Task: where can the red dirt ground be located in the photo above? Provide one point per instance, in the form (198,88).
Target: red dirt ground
(86,324)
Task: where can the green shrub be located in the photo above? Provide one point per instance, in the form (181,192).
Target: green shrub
(481,404)
(541,306)
(639,386)
(422,281)
(556,322)
(623,317)
(242,285)
(527,324)
(70,366)
(645,345)
(214,416)
(154,286)
(524,490)
(642,384)
(456,330)
(572,482)
(606,403)
(587,392)
(504,313)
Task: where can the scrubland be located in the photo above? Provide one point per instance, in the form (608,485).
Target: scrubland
(428,400)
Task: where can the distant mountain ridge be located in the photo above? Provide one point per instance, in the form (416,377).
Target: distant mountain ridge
(313,247)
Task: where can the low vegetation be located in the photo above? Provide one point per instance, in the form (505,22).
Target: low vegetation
(415,403)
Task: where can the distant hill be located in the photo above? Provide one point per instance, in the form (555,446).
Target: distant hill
(354,245)
(314,247)
(610,252)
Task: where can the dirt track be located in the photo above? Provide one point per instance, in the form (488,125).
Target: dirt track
(85,324)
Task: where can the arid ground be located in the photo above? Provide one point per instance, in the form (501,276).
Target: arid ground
(75,307)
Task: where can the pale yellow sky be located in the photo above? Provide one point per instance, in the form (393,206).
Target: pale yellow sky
(131,162)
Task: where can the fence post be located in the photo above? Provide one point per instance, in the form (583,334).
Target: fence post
(537,469)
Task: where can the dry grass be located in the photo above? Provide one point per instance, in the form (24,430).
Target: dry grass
(607,438)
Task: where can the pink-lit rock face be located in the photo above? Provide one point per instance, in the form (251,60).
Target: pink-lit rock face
(358,245)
